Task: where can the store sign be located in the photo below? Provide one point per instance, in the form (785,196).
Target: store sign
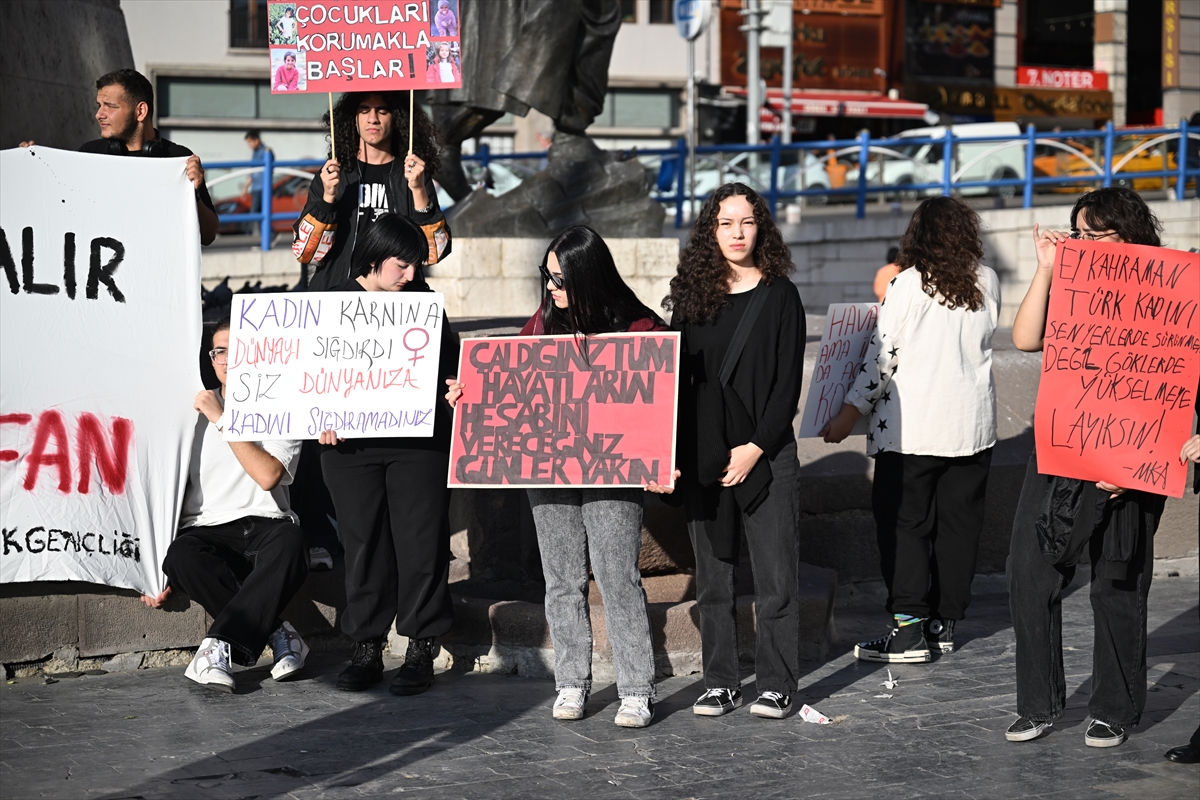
(1170,44)
(1051,78)
(1010,104)
(829,51)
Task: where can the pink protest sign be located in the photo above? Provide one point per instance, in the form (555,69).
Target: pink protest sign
(1120,365)
(848,331)
(360,47)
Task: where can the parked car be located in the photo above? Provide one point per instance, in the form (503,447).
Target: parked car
(922,163)
(1148,160)
(714,170)
(288,194)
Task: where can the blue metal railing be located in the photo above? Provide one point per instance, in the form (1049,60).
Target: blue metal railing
(774,155)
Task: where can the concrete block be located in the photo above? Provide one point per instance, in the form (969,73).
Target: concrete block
(519,258)
(37,625)
(1176,536)
(125,662)
(625,256)
(657,257)
(120,623)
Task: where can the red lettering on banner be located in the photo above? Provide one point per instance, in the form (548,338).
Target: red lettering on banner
(109,452)
(1120,365)
(552,411)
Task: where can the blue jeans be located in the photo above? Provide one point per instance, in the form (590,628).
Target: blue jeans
(607,525)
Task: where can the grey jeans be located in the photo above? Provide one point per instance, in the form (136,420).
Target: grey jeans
(607,525)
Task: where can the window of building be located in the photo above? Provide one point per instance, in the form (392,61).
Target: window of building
(629,11)
(662,11)
(247,23)
(1058,33)
(216,98)
(640,108)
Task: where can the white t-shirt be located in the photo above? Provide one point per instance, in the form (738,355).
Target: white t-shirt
(446,70)
(219,490)
(288,26)
(927,379)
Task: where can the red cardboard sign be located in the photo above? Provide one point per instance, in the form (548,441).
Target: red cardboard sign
(1120,365)
(538,411)
(1053,78)
(358,47)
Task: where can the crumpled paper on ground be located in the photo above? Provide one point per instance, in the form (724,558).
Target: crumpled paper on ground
(810,714)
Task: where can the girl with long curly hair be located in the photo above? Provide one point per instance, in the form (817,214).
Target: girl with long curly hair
(370,174)
(743,339)
(931,427)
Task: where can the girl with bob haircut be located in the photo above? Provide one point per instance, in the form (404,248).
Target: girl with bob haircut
(583,296)
(391,498)
(743,332)
(1058,517)
(931,427)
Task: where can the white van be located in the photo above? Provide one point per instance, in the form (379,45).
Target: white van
(922,163)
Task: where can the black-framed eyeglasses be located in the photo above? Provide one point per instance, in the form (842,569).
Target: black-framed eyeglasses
(219,355)
(1090,236)
(557,280)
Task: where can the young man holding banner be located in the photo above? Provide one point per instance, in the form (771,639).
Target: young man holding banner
(240,552)
(369,175)
(1057,517)
(125,111)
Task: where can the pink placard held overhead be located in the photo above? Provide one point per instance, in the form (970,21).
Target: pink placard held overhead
(539,411)
(359,47)
(1120,365)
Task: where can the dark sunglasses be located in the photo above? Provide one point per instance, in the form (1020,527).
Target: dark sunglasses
(557,280)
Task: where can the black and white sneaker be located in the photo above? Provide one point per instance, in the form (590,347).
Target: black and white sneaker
(716,702)
(772,705)
(939,635)
(1025,729)
(903,645)
(1103,734)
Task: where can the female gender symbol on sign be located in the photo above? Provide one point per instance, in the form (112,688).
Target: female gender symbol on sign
(415,350)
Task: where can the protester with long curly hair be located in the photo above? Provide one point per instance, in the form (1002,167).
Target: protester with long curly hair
(1058,518)
(743,340)
(931,427)
(370,174)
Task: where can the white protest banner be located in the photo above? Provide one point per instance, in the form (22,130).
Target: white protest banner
(848,331)
(99,344)
(364,364)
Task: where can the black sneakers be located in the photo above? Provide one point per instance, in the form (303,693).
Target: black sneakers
(417,673)
(1103,734)
(1025,729)
(366,667)
(716,702)
(772,705)
(903,645)
(939,634)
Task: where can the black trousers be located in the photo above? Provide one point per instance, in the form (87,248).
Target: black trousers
(243,573)
(928,517)
(1035,588)
(310,499)
(772,537)
(392,510)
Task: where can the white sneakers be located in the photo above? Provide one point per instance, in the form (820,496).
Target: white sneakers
(635,712)
(210,666)
(570,703)
(289,651)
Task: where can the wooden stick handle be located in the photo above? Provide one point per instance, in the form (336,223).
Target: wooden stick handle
(332,142)
(410,121)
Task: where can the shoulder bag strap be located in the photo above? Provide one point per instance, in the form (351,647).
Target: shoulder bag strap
(742,333)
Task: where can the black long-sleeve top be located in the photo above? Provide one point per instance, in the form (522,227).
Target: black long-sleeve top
(769,373)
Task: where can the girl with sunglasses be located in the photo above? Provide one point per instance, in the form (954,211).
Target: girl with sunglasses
(391,498)
(584,295)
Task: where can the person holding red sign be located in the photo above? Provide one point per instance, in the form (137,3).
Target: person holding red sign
(1058,517)
(584,295)
(742,364)
(391,499)
(932,427)
(369,176)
